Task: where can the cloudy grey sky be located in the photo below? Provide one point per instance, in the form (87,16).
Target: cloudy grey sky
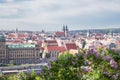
(52,14)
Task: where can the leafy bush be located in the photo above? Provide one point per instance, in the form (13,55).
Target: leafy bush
(86,65)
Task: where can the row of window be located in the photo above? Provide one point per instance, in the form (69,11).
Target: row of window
(2,56)
(20,55)
(24,61)
(54,51)
(2,61)
(54,54)
(30,51)
(2,52)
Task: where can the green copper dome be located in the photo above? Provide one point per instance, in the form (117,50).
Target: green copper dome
(2,38)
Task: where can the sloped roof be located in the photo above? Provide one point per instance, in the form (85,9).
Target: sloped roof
(56,48)
(70,46)
(59,33)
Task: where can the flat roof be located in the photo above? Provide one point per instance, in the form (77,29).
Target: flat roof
(21,46)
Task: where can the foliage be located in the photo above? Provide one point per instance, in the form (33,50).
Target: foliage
(86,65)
(11,63)
(65,67)
(32,75)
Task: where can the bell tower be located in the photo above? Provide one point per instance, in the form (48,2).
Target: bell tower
(65,30)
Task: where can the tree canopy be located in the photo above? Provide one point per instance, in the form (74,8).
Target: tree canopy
(86,65)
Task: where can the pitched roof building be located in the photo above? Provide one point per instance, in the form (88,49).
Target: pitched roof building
(53,51)
(69,46)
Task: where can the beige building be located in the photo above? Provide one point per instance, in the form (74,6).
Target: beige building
(23,53)
(18,53)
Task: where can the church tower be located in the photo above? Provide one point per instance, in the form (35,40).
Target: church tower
(16,31)
(66,31)
(63,28)
(88,33)
(110,33)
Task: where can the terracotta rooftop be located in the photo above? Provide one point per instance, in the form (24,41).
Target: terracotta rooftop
(22,35)
(51,42)
(11,36)
(70,46)
(59,33)
(56,48)
(99,34)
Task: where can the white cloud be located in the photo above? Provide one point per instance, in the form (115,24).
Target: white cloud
(9,0)
(7,10)
(53,11)
(66,7)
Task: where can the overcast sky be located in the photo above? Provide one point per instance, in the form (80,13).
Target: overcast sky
(51,15)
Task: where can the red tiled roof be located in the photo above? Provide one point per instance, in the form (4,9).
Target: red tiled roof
(59,33)
(99,34)
(11,36)
(56,48)
(51,42)
(22,35)
(70,46)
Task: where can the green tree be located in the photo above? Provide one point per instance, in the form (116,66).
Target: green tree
(86,65)
(66,67)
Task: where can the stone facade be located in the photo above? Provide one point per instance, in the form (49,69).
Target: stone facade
(21,54)
(18,53)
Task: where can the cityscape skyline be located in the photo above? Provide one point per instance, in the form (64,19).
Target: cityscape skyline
(51,15)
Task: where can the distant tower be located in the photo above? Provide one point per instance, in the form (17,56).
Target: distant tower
(43,31)
(66,31)
(16,31)
(63,28)
(110,33)
(88,33)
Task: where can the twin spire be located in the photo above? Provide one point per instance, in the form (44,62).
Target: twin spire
(65,30)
